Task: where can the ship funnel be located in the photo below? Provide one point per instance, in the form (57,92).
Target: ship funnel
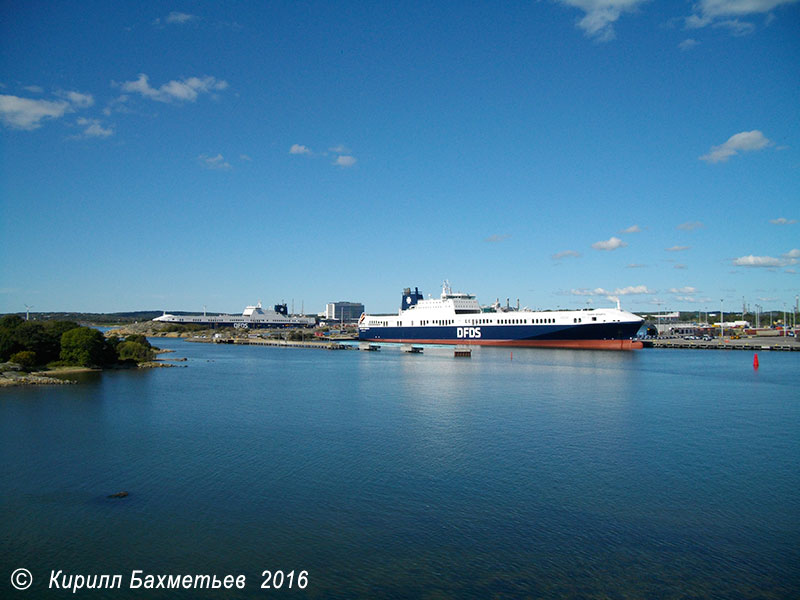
(410,298)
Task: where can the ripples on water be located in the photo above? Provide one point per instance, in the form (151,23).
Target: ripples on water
(576,474)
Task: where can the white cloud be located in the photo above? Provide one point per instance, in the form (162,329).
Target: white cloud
(728,13)
(185,90)
(345,161)
(632,229)
(119,105)
(179,17)
(339,150)
(746,141)
(688,44)
(176,18)
(216,163)
(633,289)
(783,221)
(24,113)
(635,266)
(757,261)
(245,158)
(588,292)
(600,15)
(94,128)
(299,149)
(789,258)
(493,239)
(33,89)
(677,248)
(693,299)
(566,254)
(684,290)
(626,291)
(690,225)
(611,244)
(735,26)
(679,266)
(737,8)
(77,99)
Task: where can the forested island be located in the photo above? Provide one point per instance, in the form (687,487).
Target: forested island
(50,346)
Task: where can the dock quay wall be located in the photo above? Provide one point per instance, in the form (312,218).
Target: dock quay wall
(752,344)
(326,345)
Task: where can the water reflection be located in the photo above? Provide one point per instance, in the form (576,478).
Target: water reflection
(552,474)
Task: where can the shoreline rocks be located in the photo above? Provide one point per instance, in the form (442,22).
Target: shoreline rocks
(14,378)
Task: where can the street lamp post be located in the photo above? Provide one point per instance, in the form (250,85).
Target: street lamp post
(784,320)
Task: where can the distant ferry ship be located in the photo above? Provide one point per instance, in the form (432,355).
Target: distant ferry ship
(457,318)
(252,317)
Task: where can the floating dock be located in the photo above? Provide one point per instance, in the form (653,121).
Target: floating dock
(412,349)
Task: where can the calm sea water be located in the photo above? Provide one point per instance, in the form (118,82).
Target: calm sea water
(555,474)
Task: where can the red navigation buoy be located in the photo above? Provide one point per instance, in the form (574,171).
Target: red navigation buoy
(755,360)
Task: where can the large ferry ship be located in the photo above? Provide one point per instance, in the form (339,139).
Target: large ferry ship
(457,318)
(252,317)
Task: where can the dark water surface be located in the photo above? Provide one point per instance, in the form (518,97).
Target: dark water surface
(558,474)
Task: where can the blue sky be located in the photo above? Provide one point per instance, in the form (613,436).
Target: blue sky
(563,152)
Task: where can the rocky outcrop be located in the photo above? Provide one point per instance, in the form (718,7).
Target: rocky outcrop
(12,378)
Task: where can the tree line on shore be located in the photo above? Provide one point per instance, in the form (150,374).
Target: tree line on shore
(32,344)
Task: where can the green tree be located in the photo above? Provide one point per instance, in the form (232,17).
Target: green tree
(138,338)
(11,321)
(8,339)
(36,337)
(58,328)
(8,344)
(84,346)
(134,351)
(25,359)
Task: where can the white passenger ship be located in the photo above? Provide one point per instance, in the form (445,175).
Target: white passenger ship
(457,318)
(252,317)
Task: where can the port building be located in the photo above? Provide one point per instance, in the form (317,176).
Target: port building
(344,312)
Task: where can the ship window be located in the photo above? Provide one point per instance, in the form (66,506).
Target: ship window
(594,318)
